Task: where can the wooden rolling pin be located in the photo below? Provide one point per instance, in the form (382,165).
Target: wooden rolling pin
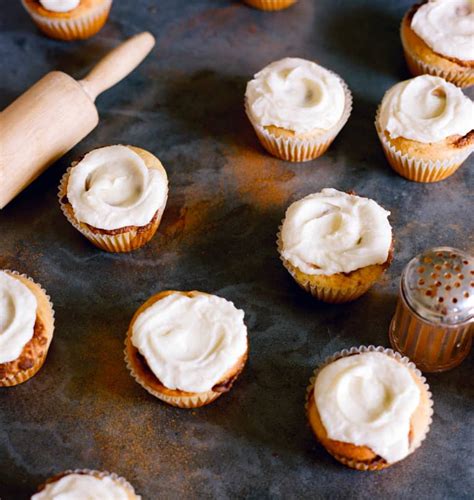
(56,113)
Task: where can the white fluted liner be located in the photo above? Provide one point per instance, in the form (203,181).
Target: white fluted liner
(461,78)
(419,169)
(331,295)
(270,4)
(84,26)
(378,465)
(296,149)
(25,375)
(121,242)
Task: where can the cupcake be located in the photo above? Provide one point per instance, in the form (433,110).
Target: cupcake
(84,483)
(437,38)
(26,327)
(335,245)
(426,127)
(68,19)
(186,348)
(369,407)
(115,196)
(270,4)
(297,108)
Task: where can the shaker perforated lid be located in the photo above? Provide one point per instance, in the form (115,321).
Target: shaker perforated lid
(438,284)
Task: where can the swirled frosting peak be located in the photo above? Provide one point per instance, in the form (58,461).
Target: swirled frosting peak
(111,187)
(82,487)
(59,5)
(190,342)
(368,400)
(296,94)
(18,307)
(426,109)
(447,26)
(332,232)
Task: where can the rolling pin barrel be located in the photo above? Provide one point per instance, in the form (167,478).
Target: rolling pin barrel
(39,127)
(55,114)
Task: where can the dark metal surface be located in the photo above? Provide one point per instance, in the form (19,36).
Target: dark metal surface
(227,197)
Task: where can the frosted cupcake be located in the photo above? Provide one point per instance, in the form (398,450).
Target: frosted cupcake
(68,19)
(270,4)
(369,407)
(426,127)
(26,328)
(438,38)
(186,348)
(84,483)
(115,196)
(335,245)
(297,108)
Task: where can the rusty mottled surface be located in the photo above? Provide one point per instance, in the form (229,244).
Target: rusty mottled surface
(227,198)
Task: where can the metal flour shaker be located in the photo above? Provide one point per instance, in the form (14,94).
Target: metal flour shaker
(434,316)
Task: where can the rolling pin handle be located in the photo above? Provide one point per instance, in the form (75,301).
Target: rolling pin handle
(117,64)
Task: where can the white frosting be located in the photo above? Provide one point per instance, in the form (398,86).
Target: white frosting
(83,487)
(18,307)
(332,232)
(111,187)
(296,95)
(368,400)
(59,5)
(447,26)
(190,343)
(426,109)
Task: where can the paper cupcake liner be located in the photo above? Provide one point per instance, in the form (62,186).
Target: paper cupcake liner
(122,242)
(95,473)
(185,401)
(84,26)
(24,375)
(418,169)
(379,464)
(296,149)
(418,67)
(331,295)
(270,4)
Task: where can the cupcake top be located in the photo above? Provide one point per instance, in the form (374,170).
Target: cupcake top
(368,400)
(190,342)
(297,95)
(112,187)
(447,26)
(59,5)
(18,307)
(79,486)
(426,109)
(334,232)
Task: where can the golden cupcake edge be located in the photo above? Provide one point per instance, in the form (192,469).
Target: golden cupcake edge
(290,146)
(34,353)
(138,368)
(340,287)
(80,23)
(125,239)
(421,162)
(362,457)
(421,59)
(270,5)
